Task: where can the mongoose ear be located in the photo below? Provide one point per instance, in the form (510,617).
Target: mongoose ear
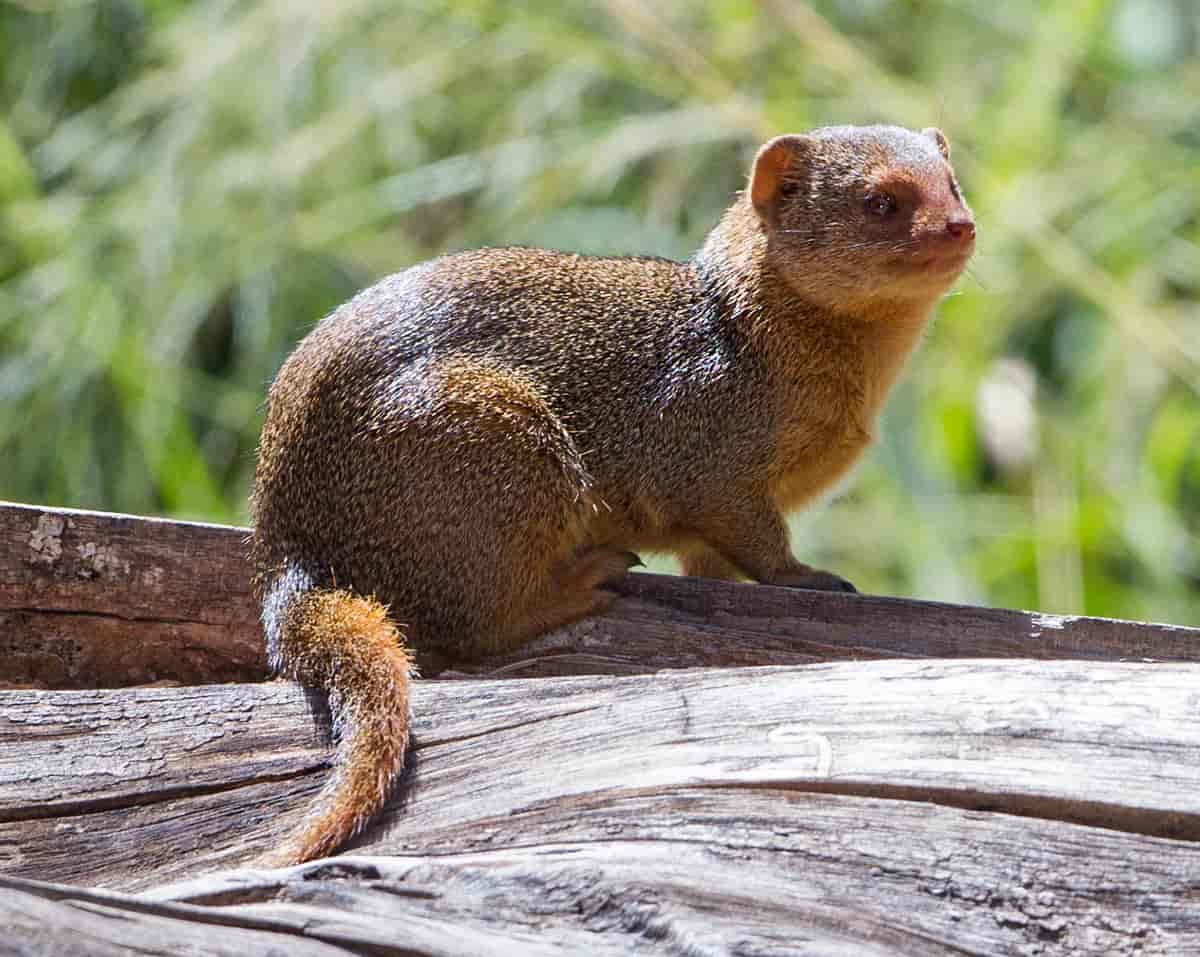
(772,165)
(936,135)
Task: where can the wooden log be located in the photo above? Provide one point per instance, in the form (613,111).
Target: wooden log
(896,807)
(700,872)
(1109,745)
(90,599)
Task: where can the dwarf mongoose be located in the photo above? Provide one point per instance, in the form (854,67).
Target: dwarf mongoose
(459,458)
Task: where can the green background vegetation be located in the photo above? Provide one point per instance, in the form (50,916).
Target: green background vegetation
(186,188)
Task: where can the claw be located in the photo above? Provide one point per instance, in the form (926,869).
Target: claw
(828,581)
(815,581)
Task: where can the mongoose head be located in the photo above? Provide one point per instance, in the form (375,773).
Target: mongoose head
(862,218)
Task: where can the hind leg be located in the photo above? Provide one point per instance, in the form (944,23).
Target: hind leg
(490,516)
(578,594)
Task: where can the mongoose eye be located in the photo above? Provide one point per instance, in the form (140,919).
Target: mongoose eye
(880,204)
(954,189)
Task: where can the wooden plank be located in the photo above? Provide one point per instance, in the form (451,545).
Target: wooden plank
(89,599)
(136,786)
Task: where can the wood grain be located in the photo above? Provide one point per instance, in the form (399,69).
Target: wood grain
(92,600)
(700,871)
(917,806)
(1109,745)
(891,807)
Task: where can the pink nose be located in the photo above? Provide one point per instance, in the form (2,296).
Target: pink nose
(963,229)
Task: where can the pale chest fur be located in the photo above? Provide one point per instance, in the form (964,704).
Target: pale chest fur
(831,396)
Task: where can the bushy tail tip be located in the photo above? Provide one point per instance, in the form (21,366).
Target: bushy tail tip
(346,645)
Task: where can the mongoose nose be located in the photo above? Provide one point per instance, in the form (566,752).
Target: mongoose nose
(961,228)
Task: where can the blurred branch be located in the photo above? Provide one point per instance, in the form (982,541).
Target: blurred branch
(907,102)
(691,63)
(1144,324)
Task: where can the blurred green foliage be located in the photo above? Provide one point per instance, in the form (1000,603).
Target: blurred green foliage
(186,188)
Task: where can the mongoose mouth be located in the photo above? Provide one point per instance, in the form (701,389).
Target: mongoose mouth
(943,252)
(945,260)
(933,266)
(934,261)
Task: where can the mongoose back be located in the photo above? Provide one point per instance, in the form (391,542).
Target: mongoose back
(460,457)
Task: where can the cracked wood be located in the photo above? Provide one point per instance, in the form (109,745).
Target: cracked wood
(874,808)
(1100,744)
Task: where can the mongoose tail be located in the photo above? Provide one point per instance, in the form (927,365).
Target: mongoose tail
(345,644)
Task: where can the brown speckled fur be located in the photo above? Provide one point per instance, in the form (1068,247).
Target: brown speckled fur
(477,443)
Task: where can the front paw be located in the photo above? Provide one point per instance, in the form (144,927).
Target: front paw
(813,579)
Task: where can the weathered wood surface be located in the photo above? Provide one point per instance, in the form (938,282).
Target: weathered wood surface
(702,872)
(90,599)
(879,807)
(93,599)
(892,807)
